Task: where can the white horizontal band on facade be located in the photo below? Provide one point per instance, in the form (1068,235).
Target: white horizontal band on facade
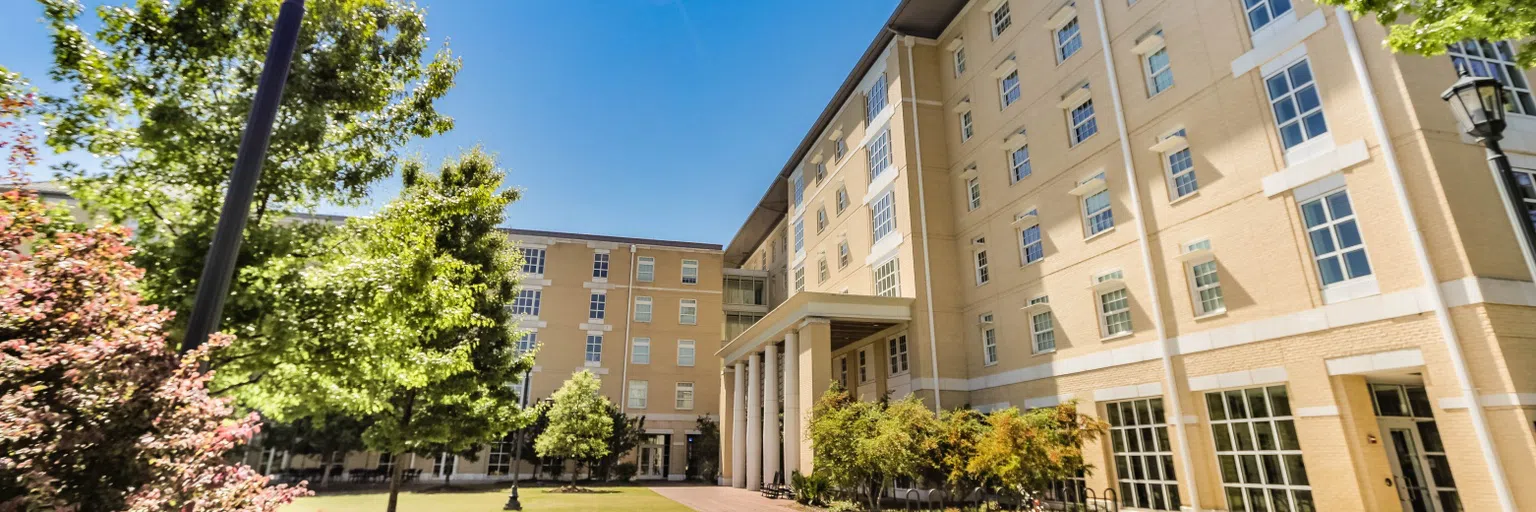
(1280,40)
(1324,165)
(1380,361)
(1492,400)
(676,417)
(1414,301)
(1238,379)
(1133,391)
(1317,411)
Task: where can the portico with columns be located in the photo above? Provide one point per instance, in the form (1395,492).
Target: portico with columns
(771,402)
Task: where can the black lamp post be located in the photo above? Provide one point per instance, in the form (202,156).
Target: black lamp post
(1478,104)
(513,499)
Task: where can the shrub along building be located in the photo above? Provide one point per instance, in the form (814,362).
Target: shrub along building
(1245,235)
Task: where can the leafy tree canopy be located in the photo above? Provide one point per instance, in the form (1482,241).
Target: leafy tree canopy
(1427,27)
(579,424)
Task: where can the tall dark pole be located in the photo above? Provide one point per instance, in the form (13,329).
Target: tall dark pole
(219,265)
(1512,189)
(514,499)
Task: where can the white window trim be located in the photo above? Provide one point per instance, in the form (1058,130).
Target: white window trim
(1056,42)
(687,265)
(895,288)
(1088,189)
(595,299)
(957,59)
(691,344)
(863,372)
(1167,146)
(973,193)
(677,393)
(1349,288)
(1013,166)
(682,305)
(1104,284)
(641,263)
(1034,333)
(1146,48)
(1192,257)
(634,352)
(988,329)
(967,127)
(1022,222)
(650,308)
(980,263)
(1002,89)
(1072,126)
(643,387)
(1313,146)
(992,21)
(900,362)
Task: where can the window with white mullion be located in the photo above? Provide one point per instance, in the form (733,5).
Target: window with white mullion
(1043,331)
(527,342)
(1069,39)
(1008,88)
(799,189)
(527,302)
(875,99)
(598,307)
(896,351)
(799,235)
(988,340)
(1205,281)
(959,59)
(1296,105)
(1031,246)
(594,348)
(980,258)
(1143,456)
(883,216)
(684,396)
(1525,179)
(879,151)
(686,352)
(888,279)
(973,193)
(690,272)
(1258,452)
(1262,12)
(1159,69)
(1495,60)
(640,353)
(1001,19)
(1097,213)
(966,128)
(1115,310)
(1018,164)
(638,394)
(800,279)
(646,271)
(533,261)
(1083,124)
(1335,239)
(822,274)
(600,265)
(643,309)
(1181,169)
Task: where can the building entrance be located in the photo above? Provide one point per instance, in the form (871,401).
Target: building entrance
(1420,470)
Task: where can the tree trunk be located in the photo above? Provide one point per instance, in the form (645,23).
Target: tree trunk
(395,473)
(325,469)
(574,470)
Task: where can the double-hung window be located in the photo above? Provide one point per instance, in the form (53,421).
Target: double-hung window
(959,59)
(839,148)
(1138,434)
(1335,238)
(1181,168)
(1097,213)
(598,306)
(1258,450)
(527,302)
(879,151)
(966,129)
(1031,246)
(1262,12)
(690,271)
(600,265)
(863,365)
(641,352)
(1204,281)
(988,340)
(646,269)
(643,309)
(1008,88)
(799,235)
(896,350)
(594,348)
(1069,39)
(1159,69)
(1001,19)
(876,99)
(685,352)
(638,391)
(684,396)
(1297,107)
(1525,180)
(527,342)
(843,256)
(1018,164)
(1042,327)
(842,200)
(1114,304)
(980,259)
(1083,125)
(799,182)
(822,274)
(821,171)
(533,261)
(821,219)
(688,312)
(973,193)
(1495,60)
(800,278)
(882,216)
(888,279)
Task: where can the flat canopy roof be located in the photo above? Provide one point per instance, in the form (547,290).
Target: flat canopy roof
(614,239)
(853,318)
(921,18)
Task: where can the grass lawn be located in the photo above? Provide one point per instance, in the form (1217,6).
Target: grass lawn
(534,500)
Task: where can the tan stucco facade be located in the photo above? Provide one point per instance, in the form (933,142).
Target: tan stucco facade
(1331,354)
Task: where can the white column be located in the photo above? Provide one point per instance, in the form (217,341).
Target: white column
(754,423)
(791,403)
(770,412)
(739,429)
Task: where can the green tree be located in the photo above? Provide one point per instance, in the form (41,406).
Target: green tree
(1026,452)
(160,92)
(704,458)
(321,437)
(864,446)
(953,445)
(628,432)
(1427,27)
(579,424)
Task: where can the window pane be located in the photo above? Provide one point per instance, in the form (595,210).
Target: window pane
(1357,263)
(1330,270)
(1314,214)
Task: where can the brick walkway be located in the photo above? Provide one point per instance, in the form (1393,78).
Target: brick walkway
(706,498)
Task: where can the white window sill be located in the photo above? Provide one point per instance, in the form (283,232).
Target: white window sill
(1214,314)
(592,364)
(1106,231)
(985,365)
(1184,198)
(597,321)
(1031,263)
(1043,353)
(1114,337)
(1350,290)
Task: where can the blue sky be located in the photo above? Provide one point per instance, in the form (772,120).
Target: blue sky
(649,118)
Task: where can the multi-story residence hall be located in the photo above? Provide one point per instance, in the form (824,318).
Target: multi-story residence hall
(1242,233)
(643,315)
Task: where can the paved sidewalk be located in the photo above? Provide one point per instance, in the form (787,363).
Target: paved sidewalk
(706,498)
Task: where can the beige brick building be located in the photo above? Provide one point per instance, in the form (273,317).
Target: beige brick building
(643,315)
(1242,233)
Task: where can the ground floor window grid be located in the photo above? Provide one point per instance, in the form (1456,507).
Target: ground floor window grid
(1138,432)
(1258,451)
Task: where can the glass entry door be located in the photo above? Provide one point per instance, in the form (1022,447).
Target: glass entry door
(653,456)
(1420,468)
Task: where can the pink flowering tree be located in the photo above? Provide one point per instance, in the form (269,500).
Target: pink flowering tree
(97,412)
